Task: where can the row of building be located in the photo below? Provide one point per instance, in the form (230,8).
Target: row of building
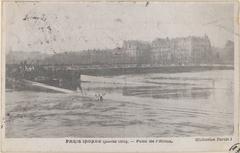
(189,50)
(179,51)
(164,51)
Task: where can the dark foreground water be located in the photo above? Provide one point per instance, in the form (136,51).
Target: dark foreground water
(150,105)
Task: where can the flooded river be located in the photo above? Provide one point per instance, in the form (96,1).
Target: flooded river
(144,105)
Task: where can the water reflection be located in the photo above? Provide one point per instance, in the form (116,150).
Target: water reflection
(159,93)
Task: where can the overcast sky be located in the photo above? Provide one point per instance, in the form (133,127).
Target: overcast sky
(51,27)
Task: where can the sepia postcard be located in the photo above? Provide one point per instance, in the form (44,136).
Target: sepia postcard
(129,76)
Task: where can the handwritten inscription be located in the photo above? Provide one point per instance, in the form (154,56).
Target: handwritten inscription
(235,148)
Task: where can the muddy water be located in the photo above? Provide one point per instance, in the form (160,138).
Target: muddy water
(150,105)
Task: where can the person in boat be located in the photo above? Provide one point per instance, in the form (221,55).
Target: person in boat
(101,98)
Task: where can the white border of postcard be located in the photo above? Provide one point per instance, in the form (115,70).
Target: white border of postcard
(176,144)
